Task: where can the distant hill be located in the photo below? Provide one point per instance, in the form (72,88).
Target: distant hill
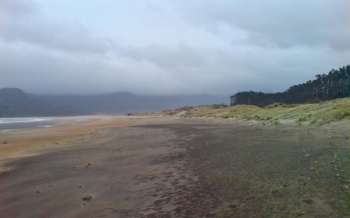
(15,102)
(335,84)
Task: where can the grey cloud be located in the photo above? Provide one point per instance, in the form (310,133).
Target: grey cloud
(42,71)
(169,57)
(278,23)
(53,36)
(17,7)
(175,47)
(31,28)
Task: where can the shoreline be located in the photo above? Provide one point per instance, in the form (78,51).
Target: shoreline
(62,132)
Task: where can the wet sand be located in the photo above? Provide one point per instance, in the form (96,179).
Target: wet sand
(169,167)
(107,167)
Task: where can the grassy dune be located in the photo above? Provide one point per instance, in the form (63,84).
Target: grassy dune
(316,113)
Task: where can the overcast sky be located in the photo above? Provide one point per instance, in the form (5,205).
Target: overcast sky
(169,46)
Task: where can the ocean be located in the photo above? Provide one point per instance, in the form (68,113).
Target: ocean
(14,123)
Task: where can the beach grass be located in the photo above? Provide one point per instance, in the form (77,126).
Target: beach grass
(312,113)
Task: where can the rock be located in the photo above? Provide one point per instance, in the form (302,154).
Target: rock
(300,213)
(308,201)
(87,198)
(234,205)
(277,193)
(4,142)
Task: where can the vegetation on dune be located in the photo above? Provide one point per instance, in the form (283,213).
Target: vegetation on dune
(316,113)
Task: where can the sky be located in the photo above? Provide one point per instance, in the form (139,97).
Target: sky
(168,47)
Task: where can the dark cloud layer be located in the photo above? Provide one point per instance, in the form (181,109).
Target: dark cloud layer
(22,23)
(290,23)
(170,47)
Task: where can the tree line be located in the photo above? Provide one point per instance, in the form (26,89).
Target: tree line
(335,84)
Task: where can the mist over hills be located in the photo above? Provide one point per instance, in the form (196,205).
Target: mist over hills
(15,102)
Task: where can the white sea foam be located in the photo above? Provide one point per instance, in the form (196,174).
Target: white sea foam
(19,120)
(23,120)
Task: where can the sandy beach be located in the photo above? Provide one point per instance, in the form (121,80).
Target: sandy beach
(174,167)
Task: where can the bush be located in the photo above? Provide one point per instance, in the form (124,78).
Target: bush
(341,115)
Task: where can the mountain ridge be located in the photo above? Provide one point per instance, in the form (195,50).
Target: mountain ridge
(16,102)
